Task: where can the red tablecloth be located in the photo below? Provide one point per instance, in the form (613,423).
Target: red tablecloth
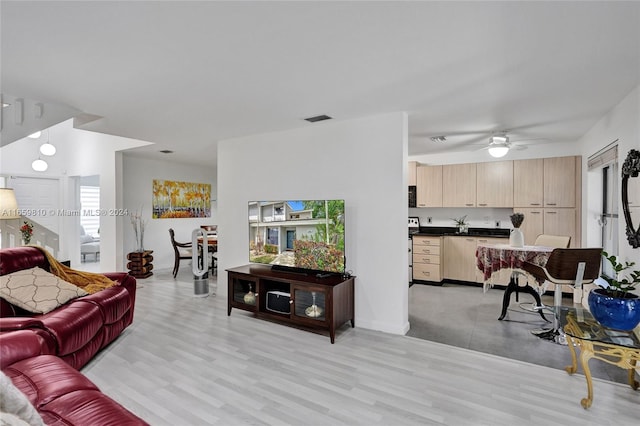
(493,257)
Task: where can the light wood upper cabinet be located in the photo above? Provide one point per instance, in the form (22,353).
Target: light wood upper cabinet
(528,187)
(560,182)
(411,173)
(429,186)
(459,185)
(494,184)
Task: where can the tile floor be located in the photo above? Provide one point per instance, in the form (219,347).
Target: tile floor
(466,317)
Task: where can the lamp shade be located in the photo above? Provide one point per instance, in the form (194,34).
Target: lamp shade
(8,204)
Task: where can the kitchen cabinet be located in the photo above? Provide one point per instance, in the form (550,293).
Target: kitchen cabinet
(552,221)
(426,252)
(503,275)
(494,184)
(459,185)
(560,181)
(460,261)
(528,183)
(429,186)
(460,258)
(411,173)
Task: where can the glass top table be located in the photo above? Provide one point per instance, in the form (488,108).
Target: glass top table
(620,348)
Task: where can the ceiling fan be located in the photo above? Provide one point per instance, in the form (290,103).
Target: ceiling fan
(499,141)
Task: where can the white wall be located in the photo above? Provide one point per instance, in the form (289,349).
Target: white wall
(138,176)
(79,153)
(362,161)
(621,123)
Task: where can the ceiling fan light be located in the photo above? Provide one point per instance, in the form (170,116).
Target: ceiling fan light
(39,165)
(499,140)
(498,150)
(47,149)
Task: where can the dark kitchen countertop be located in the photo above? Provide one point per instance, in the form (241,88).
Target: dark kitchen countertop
(473,232)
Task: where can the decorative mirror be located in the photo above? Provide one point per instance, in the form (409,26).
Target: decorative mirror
(631,205)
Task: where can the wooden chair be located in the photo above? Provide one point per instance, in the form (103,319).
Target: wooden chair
(556,241)
(566,266)
(179,251)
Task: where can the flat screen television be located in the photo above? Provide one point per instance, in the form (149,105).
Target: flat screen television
(298,235)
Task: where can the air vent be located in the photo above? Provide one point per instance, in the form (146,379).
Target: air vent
(166,151)
(318,118)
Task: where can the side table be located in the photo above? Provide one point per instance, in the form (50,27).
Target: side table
(140,265)
(620,348)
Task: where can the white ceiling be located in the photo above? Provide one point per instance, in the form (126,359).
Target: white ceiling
(187,74)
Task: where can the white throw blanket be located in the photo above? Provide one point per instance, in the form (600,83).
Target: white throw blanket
(15,408)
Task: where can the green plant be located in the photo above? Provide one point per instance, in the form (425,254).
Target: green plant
(460,221)
(620,285)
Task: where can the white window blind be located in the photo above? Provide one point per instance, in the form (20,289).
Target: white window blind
(90,203)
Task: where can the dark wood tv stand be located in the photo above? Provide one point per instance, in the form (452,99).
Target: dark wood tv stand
(299,300)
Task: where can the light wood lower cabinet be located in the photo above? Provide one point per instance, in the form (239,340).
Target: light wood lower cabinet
(426,252)
(460,259)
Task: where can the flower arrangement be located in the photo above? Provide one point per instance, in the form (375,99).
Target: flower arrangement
(619,286)
(516,219)
(27,231)
(138,228)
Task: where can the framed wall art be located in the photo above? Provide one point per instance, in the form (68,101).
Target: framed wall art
(175,199)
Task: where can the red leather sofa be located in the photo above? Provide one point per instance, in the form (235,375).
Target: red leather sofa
(80,328)
(58,392)
(42,353)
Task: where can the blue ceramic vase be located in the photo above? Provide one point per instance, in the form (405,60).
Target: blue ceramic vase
(615,312)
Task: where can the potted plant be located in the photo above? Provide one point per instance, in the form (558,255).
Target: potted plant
(613,305)
(461,223)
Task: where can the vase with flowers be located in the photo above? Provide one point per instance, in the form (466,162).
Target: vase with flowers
(516,238)
(27,232)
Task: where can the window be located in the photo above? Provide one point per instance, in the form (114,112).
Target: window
(89,205)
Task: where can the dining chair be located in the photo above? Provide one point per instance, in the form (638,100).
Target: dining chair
(180,250)
(556,241)
(566,266)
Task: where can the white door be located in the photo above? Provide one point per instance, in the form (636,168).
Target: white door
(38,196)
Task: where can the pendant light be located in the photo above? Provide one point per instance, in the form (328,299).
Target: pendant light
(39,165)
(47,148)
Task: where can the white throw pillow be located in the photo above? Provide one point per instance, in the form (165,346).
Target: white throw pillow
(36,290)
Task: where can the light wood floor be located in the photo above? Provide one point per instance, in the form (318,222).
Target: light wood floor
(185,362)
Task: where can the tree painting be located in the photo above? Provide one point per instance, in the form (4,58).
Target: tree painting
(174,199)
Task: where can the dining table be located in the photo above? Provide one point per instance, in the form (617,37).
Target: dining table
(491,258)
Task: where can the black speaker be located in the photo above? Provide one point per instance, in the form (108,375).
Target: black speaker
(278,301)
